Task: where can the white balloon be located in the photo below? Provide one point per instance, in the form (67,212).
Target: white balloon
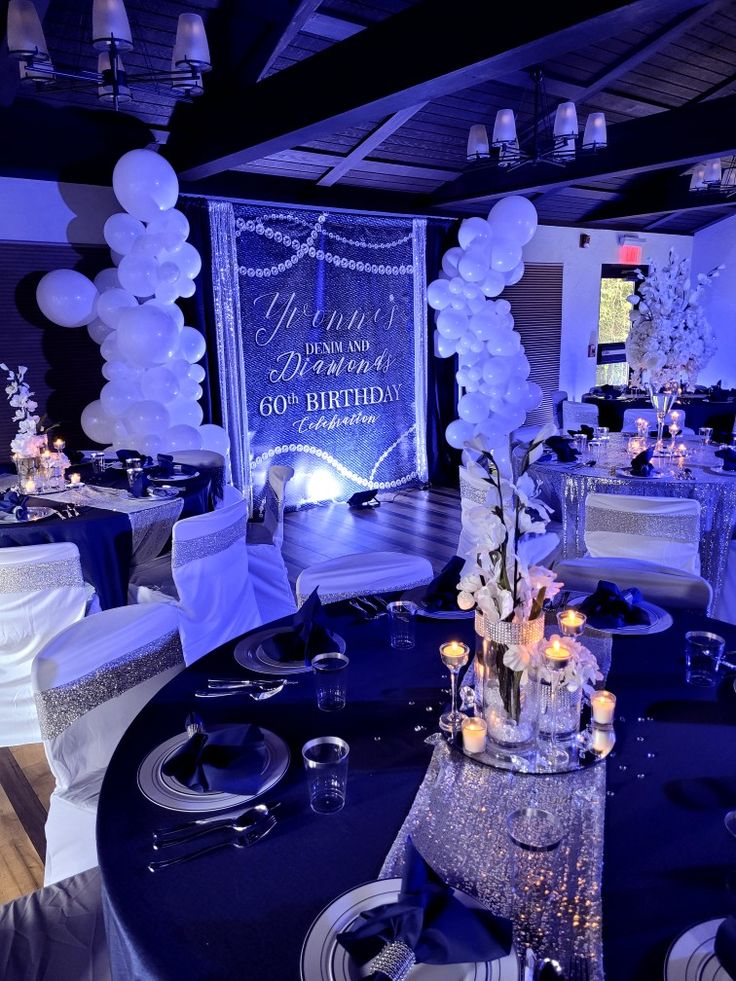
(196,373)
(472,268)
(517,391)
(471,230)
(67,298)
(110,349)
(119,371)
(111,304)
(214,438)
(192,345)
(168,292)
(98,331)
(107,280)
(188,260)
(179,367)
(147,416)
(477,304)
(493,284)
(452,324)
(116,257)
(150,443)
(189,389)
(182,437)
(515,217)
(171,222)
(438,294)
(117,397)
(455,286)
(145,184)
(185,412)
(502,307)
(147,336)
(138,274)
(458,433)
(186,287)
(503,343)
(496,371)
(168,272)
(121,231)
(506,254)
(96,423)
(472,407)
(160,384)
(150,245)
(513,277)
(445,347)
(450,260)
(533,396)
(171,309)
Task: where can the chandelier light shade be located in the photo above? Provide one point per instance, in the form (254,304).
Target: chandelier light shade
(696,180)
(712,172)
(478,148)
(110,35)
(191,48)
(110,25)
(566,120)
(716,175)
(504,128)
(25,34)
(595,136)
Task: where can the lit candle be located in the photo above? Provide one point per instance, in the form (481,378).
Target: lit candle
(601,740)
(474,735)
(571,622)
(642,426)
(75,478)
(602,706)
(557,653)
(59,445)
(29,485)
(454,654)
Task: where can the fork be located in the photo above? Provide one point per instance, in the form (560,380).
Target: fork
(239,841)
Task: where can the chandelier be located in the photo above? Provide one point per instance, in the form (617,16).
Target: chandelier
(714,175)
(110,36)
(549,143)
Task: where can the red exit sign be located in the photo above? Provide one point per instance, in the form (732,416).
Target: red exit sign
(630,254)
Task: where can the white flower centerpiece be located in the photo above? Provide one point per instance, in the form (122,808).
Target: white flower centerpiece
(670,339)
(29,446)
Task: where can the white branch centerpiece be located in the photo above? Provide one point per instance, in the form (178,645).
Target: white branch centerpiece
(507,588)
(29,446)
(670,338)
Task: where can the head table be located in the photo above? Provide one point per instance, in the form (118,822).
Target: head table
(245,913)
(699,411)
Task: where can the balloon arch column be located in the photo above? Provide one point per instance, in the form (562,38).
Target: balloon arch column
(151,397)
(493,369)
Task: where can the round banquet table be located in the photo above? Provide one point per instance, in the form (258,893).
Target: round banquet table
(698,411)
(103,536)
(244,913)
(566,486)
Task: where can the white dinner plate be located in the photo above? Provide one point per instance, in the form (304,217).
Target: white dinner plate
(626,472)
(249,653)
(174,478)
(691,956)
(174,796)
(34,514)
(659,620)
(323,959)
(417,595)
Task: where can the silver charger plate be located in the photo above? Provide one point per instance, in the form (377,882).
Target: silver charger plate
(174,478)
(34,514)
(250,655)
(174,796)
(659,621)
(417,596)
(626,472)
(323,959)
(691,956)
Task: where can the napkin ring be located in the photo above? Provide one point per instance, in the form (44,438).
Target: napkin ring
(395,961)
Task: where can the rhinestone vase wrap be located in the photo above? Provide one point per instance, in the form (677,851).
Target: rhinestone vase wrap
(395,961)
(509,707)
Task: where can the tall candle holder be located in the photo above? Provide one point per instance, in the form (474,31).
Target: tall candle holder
(454,656)
(556,658)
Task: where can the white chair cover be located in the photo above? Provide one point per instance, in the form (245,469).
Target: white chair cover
(361,574)
(577,414)
(273,593)
(664,529)
(558,397)
(725,608)
(42,591)
(212,587)
(56,933)
(270,531)
(631,415)
(658,583)
(90,682)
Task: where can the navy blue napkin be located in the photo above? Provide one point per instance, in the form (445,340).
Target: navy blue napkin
(230,760)
(308,636)
(124,455)
(641,465)
(441,593)
(15,504)
(429,919)
(725,945)
(728,455)
(165,466)
(562,447)
(583,431)
(610,607)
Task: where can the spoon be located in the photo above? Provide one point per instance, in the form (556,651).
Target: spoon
(258,696)
(242,822)
(242,841)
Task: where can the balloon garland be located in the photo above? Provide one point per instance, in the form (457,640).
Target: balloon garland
(150,401)
(493,369)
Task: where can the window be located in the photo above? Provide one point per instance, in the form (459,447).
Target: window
(617,284)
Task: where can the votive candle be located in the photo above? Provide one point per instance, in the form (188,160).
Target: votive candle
(603,706)
(453,653)
(557,653)
(474,734)
(571,622)
(29,485)
(75,478)
(642,426)
(59,445)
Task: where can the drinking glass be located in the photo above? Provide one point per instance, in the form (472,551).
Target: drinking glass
(703,654)
(454,656)
(132,474)
(706,435)
(402,624)
(601,433)
(97,456)
(330,681)
(326,766)
(580,443)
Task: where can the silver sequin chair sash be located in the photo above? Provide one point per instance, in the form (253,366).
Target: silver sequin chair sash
(673,527)
(30,577)
(190,550)
(59,707)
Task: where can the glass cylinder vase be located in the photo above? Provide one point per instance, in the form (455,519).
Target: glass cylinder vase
(509,707)
(27,468)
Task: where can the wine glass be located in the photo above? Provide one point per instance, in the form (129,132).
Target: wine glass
(454,656)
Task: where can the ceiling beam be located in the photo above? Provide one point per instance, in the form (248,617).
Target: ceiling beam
(334,28)
(370,143)
(316,158)
(304,11)
(626,103)
(417,55)
(669,139)
(657,197)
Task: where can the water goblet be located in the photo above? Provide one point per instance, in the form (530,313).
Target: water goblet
(454,656)
(580,443)
(706,435)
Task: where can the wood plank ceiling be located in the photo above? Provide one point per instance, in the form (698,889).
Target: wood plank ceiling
(367,103)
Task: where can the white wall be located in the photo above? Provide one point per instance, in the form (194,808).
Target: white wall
(45,211)
(581,287)
(712,247)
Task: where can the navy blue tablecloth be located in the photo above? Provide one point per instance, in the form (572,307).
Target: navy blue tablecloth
(244,914)
(698,412)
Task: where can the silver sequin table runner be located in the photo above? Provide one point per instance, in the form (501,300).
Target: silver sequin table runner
(458,822)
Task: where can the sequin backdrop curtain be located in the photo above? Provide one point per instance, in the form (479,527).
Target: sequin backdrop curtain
(321,333)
